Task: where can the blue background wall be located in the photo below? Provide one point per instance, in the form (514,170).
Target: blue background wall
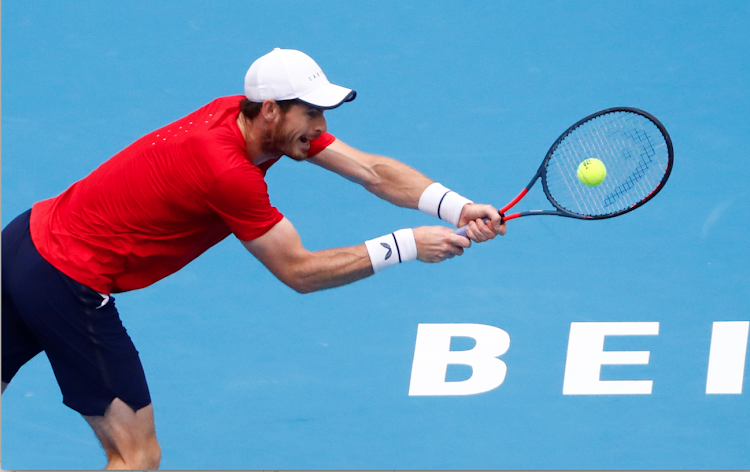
(247,374)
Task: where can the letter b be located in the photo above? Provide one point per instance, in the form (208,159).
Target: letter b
(432,355)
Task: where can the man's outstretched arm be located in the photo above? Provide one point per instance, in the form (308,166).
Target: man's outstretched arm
(406,187)
(387,178)
(281,251)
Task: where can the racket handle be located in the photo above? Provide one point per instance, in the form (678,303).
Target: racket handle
(462,230)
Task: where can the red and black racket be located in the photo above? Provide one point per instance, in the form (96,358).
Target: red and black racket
(635,149)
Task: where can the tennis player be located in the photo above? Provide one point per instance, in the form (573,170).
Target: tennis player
(168,197)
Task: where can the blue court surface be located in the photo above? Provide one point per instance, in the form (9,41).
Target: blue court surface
(247,374)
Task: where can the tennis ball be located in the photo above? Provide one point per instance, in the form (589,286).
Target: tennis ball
(592,172)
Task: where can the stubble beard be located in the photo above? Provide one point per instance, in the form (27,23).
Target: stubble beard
(278,143)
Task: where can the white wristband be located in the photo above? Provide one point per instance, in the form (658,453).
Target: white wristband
(391,249)
(442,203)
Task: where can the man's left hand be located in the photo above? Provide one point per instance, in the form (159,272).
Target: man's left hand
(479,230)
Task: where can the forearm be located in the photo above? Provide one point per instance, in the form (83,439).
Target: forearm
(396,182)
(387,178)
(406,187)
(281,251)
(335,267)
(329,268)
(392,181)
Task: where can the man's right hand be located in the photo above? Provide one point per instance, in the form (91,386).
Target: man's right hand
(438,243)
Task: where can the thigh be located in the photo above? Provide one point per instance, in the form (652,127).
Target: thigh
(18,342)
(92,355)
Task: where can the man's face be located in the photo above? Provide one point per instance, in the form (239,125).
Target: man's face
(295,129)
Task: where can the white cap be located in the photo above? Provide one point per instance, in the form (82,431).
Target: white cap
(286,74)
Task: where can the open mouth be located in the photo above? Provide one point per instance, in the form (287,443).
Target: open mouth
(304,139)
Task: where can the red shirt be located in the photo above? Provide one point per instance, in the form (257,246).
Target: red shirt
(159,203)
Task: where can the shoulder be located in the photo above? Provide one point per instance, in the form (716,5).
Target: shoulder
(230,102)
(214,134)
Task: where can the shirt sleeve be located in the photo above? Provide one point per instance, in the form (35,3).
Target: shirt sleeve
(320,143)
(240,197)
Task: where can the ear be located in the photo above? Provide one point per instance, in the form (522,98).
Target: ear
(270,110)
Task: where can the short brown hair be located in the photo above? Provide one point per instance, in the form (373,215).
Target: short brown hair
(251,109)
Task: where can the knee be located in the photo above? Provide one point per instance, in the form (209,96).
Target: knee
(128,437)
(151,457)
(145,457)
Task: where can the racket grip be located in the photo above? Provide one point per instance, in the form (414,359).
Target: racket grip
(462,230)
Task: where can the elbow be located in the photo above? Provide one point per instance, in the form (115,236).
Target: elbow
(371,178)
(294,272)
(374,183)
(299,284)
(302,288)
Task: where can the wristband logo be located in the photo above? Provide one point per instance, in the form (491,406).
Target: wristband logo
(390,251)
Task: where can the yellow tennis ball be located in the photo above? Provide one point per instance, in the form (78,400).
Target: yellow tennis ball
(592,172)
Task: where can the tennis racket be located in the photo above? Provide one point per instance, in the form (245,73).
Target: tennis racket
(635,149)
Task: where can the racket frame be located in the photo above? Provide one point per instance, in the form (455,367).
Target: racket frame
(542,173)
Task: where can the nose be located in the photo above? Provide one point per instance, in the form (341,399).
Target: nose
(319,125)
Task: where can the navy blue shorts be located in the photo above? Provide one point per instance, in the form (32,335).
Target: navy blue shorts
(91,353)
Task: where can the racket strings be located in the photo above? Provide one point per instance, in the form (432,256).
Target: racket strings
(641,139)
(633,150)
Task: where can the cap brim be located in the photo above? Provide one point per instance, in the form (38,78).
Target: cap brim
(329,96)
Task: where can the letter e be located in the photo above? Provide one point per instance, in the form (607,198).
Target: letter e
(586,355)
